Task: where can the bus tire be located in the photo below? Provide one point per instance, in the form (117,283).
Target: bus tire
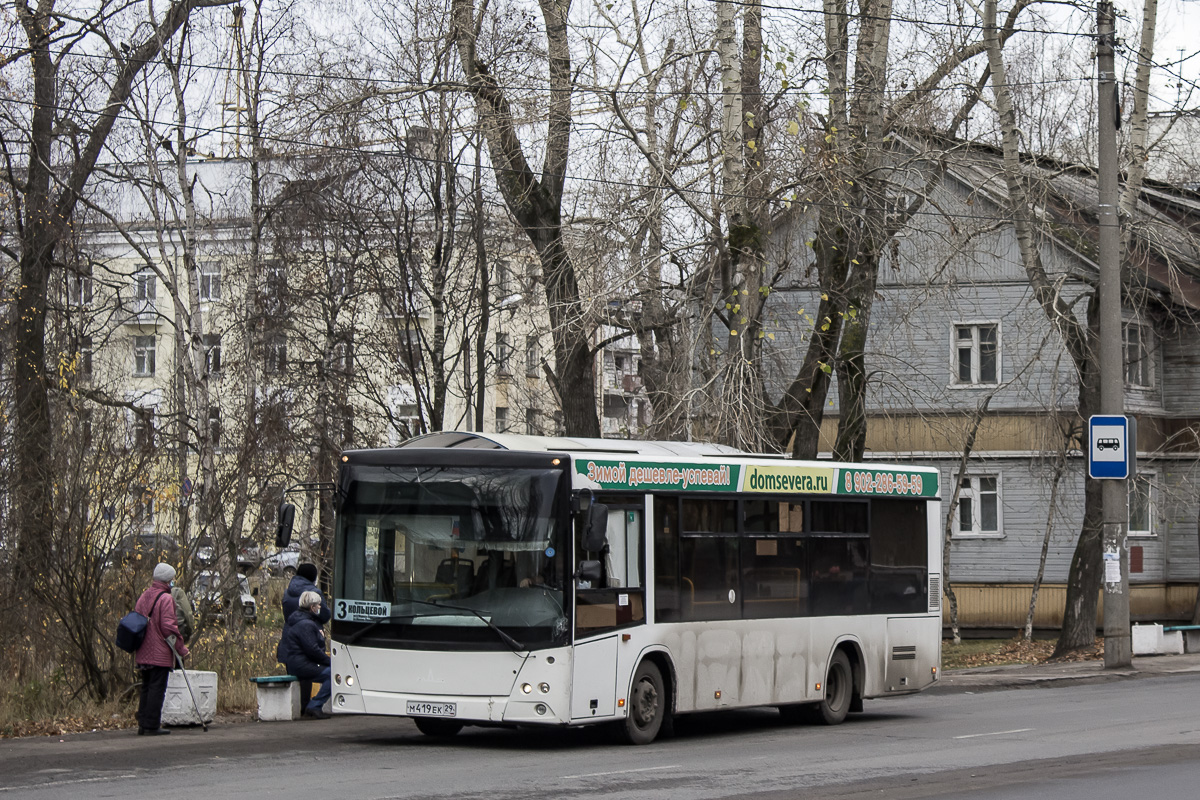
(839,690)
(647,706)
(437,727)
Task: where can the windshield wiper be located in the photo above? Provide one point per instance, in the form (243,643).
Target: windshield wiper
(512,643)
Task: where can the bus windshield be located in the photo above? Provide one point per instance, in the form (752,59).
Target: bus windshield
(442,554)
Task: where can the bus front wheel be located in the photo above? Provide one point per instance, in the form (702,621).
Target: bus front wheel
(647,706)
(839,689)
(437,727)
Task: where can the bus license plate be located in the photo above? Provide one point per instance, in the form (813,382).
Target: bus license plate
(418,709)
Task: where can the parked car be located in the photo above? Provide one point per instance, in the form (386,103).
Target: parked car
(214,598)
(148,546)
(282,563)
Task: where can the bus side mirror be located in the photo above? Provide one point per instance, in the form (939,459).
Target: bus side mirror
(595,533)
(287,518)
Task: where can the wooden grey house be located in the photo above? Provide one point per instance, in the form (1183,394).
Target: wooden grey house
(955,322)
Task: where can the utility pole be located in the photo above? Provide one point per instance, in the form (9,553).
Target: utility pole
(1118,651)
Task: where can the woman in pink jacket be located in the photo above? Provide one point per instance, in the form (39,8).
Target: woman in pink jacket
(154,658)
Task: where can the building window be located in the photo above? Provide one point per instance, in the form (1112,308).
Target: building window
(341,360)
(340,280)
(276,354)
(1141,505)
(409,350)
(501,278)
(212,353)
(144,287)
(143,428)
(274,288)
(501,419)
(979,505)
(531,422)
(84,364)
(533,357)
(976,353)
(1139,355)
(210,281)
(79,287)
(143,356)
(503,354)
(214,426)
(143,508)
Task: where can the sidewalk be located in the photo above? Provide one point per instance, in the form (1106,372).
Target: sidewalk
(1024,676)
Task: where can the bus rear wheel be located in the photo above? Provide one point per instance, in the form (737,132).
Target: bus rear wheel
(647,706)
(839,690)
(437,727)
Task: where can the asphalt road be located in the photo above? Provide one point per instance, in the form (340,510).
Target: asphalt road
(1138,738)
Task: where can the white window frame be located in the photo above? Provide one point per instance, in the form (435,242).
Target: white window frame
(1149,476)
(976,354)
(210,281)
(1146,368)
(974,494)
(144,356)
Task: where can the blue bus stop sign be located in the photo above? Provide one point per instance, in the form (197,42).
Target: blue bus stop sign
(1108,454)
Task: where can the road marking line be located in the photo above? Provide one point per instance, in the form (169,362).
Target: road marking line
(620,772)
(993,733)
(48,784)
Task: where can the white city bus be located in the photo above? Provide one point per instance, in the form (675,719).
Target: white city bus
(507,580)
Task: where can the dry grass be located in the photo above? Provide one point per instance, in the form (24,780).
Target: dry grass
(998,652)
(49,704)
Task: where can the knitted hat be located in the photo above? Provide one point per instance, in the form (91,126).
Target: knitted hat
(164,573)
(308,571)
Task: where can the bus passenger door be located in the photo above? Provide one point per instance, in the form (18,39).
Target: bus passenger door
(618,601)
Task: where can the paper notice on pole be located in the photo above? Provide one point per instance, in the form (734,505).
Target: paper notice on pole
(1112,567)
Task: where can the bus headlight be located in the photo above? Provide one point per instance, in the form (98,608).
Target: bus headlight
(338,679)
(541,709)
(544,687)
(526,688)
(349,680)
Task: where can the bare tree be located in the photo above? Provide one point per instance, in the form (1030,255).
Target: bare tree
(535,198)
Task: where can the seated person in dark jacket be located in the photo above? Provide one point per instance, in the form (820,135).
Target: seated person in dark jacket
(303,651)
(304,581)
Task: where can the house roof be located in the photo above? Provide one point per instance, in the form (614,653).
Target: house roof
(1165,221)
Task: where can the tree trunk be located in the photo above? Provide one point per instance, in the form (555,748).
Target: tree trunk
(1060,465)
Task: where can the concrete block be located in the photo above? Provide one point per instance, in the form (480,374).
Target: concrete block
(177,705)
(278,701)
(1147,640)
(1191,641)
(1172,644)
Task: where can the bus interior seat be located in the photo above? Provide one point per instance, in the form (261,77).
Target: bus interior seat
(456,572)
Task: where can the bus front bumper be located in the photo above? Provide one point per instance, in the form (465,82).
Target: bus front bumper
(468,710)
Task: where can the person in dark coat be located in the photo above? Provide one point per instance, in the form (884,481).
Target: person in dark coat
(304,581)
(304,647)
(154,658)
